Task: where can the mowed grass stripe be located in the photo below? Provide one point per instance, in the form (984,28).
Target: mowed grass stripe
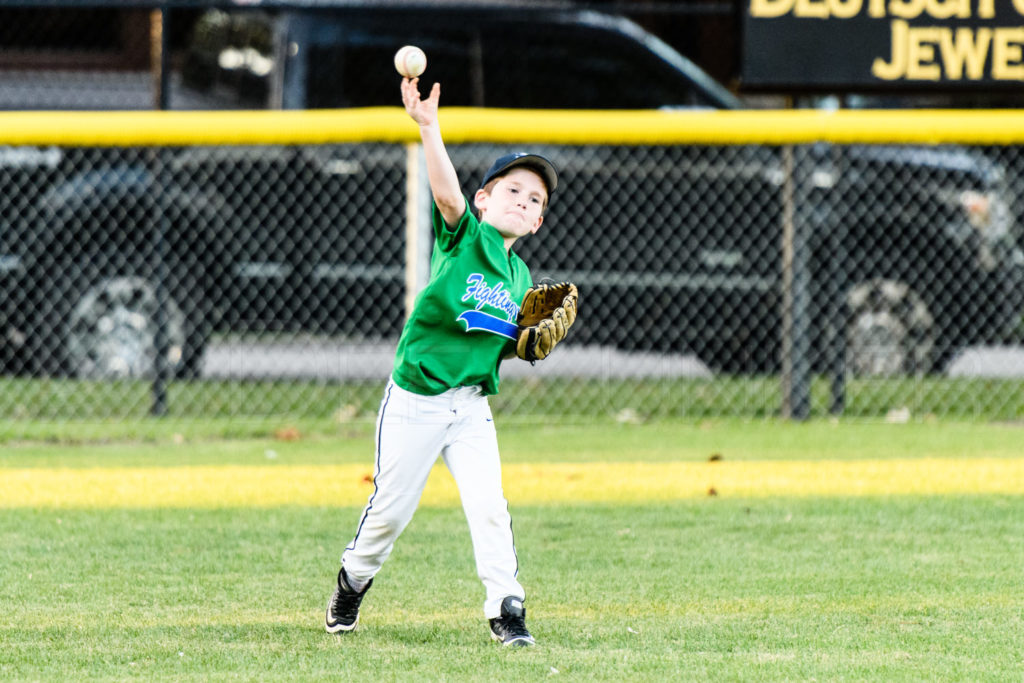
(345,485)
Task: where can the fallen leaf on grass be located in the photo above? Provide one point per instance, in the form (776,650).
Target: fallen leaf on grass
(287,434)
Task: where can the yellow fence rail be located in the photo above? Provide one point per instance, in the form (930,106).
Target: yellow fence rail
(465,125)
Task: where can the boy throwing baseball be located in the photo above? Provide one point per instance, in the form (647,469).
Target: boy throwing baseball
(465,321)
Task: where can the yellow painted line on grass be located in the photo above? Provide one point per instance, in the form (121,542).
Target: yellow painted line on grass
(525,484)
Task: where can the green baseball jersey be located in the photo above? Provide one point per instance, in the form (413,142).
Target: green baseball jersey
(464,321)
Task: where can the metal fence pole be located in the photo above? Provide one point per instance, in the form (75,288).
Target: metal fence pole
(162,180)
(837,284)
(796,375)
(418,232)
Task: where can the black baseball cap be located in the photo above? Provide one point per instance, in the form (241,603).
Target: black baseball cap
(534,162)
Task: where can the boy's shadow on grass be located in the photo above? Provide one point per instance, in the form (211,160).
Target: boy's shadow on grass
(440,633)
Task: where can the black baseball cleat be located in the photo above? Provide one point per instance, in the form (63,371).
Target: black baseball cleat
(343,607)
(510,627)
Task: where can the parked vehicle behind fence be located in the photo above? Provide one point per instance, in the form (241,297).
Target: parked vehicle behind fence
(913,252)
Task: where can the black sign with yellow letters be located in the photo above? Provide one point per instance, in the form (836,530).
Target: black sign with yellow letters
(882,44)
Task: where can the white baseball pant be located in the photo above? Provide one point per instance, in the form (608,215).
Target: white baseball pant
(412,430)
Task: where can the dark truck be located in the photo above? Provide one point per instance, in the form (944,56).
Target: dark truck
(911,251)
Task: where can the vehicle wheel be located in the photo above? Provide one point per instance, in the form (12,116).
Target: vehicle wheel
(111,331)
(890,330)
(103,325)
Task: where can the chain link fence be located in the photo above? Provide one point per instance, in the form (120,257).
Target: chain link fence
(714,280)
(272,281)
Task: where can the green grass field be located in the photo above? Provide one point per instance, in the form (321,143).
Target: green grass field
(717,549)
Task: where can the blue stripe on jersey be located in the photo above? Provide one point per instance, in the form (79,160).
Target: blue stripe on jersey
(478,320)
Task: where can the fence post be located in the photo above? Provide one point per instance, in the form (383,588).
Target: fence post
(837,284)
(417,224)
(796,375)
(162,180)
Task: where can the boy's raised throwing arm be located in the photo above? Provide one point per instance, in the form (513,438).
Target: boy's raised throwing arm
(444,182)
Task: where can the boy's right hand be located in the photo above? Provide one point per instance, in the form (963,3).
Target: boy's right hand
(423,112)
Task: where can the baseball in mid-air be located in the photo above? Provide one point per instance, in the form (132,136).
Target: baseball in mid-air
(410,61)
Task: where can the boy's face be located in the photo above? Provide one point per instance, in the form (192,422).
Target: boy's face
(515,205)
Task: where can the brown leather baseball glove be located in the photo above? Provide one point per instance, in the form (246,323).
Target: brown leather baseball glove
(547,313)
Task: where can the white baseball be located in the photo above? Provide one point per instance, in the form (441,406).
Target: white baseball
(410,61)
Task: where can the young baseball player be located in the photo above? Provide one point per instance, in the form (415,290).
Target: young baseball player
(435,403)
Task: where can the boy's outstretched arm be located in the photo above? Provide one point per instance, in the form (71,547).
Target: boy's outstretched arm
(444,182)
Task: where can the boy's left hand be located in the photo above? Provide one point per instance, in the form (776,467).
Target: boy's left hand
(547,313)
